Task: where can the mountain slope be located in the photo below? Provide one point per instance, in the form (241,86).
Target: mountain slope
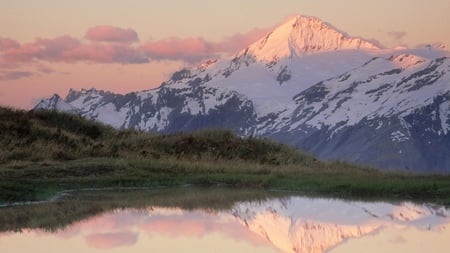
(305,84)
(392,113)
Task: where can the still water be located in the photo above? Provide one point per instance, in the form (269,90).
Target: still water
(275,224)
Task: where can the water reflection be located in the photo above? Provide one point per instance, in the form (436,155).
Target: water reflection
(317,225)
(289,224)
(149,230)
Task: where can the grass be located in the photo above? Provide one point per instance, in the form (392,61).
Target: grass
(44,152)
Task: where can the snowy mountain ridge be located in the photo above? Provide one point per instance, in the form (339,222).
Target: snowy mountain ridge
(308,85)
(382,88)
(303,35)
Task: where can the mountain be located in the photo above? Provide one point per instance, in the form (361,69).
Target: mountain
(299,224)
(58,103)
(390,112)
(309,85)
(301,36)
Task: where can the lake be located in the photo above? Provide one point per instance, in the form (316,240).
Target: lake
(221,220)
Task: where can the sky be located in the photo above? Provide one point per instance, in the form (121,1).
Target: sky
(50,46)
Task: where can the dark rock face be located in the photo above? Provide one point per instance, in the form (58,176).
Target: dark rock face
(284,75)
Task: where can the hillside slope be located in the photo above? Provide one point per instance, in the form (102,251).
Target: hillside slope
(38,136)
(44,152)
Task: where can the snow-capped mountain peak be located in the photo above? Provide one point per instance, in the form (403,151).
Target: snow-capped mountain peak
(406,60)
(57,103)
(303,35)
(306,84)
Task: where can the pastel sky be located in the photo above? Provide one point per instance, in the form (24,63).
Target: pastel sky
(49,46)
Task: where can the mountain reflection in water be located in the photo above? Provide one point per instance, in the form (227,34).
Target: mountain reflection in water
(288,224)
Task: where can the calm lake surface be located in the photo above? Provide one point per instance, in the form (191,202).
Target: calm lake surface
(254,224)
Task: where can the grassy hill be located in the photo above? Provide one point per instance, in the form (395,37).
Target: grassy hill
(52,136)
(44,152)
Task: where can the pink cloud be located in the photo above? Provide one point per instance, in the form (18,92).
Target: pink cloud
(70,49)
(196,49)
(111,240)
(44,49)
(104,54)
(6,43)
(23,53)
(111,34)
(186,49)
(240,41)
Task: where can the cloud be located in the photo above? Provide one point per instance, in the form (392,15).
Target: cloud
(44,49)
(185,49)
(196,49)
(14,75)
(6,43)
(397,35)
(111,240)
(240,41)
(107,33)
(69,49)
(104,54)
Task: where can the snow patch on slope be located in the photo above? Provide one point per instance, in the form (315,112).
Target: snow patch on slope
(109,114)
(444,116)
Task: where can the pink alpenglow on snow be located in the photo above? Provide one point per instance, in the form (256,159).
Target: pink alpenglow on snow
(303,35)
